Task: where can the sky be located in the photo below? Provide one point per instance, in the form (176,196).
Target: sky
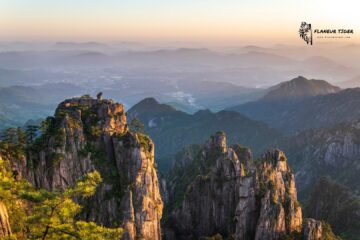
(211,21)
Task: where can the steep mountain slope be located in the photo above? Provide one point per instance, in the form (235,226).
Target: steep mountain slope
(299,87)
(334,152)
(221,192)
(88,134)
(335,204)
(293,115)
(171,129)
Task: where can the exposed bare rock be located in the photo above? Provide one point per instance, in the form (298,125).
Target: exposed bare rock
(317,230)
(330,152)
(87,134)
(280,212)
(312,229)
(223,191)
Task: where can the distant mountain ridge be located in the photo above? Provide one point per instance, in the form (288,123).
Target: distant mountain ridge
(18,104)
(293,114)
(172,129)
(299,87)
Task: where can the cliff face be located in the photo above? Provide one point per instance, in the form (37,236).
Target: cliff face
(317,230)
(231,195)
(330,152)
(87,134)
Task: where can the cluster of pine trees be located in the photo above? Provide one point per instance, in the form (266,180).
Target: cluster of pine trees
(38,213)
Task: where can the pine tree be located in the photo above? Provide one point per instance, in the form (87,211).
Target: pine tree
(41,214)
(137,126)
(31,131)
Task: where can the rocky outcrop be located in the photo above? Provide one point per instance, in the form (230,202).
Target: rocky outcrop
(280,212)
(312,230)
(231,195)
(317,230)
(330,152)
(87,134)
(210,200)
(5,229)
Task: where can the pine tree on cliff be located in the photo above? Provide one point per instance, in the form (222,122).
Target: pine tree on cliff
(40,214)
(31,131)
(137,126)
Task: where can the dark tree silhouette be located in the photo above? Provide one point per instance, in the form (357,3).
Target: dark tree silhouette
(137,126)
(31,132)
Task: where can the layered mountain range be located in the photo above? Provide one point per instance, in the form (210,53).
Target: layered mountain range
(314,122)
(171,129)
(302,104)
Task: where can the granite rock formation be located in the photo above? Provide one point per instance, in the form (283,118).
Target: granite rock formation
(220,190)
(87,134)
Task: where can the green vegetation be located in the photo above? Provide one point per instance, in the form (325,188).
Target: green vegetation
(57,158)
(31,132)
(197,168)
(86,96)
(137,126)
(334,203)
(293,236)
(327,233)
(13,142)
(40,214)
(172,130)
(215,237)
(145,142)
(90,119)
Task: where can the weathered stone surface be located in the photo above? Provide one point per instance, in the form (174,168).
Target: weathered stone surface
(312,229)
(91,134)
(280,212)
(231,195)
(332,152)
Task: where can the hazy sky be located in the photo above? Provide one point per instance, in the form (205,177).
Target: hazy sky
(225,21)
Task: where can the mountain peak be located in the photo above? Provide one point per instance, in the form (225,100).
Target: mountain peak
(300,79)
(151,112)
(148,101)
(109,116)
(149,104)
(300,87)
(217,141)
